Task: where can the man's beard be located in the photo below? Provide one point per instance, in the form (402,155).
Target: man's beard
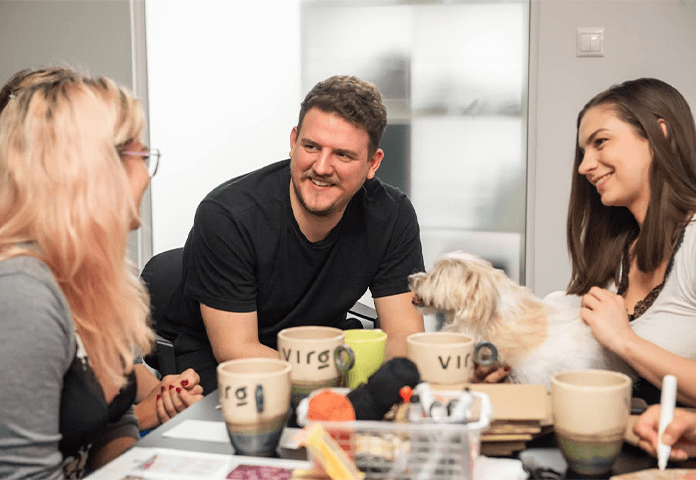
(327,212)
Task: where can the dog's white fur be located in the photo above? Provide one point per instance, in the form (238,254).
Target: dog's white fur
(537,338)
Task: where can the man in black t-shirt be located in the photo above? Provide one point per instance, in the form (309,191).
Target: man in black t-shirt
(299,242)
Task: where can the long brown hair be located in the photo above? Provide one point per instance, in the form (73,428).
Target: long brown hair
(597,235)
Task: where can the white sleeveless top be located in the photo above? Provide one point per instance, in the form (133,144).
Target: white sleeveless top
(670,321)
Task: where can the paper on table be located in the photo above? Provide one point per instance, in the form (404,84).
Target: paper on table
(487,468)
(157,463)
(656,474)
(167,464)
(206,431)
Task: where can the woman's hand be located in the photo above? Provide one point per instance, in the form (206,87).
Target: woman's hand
(170,396)
(680,433)
(605,313)
(177,392)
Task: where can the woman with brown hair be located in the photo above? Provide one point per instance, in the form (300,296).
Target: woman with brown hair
(631,230)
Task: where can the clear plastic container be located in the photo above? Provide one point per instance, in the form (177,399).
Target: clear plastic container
(423,450)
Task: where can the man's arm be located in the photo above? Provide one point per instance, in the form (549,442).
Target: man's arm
(399,318)
(234,335)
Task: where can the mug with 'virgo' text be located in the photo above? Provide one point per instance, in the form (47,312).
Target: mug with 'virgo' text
(447,358)
(311,351)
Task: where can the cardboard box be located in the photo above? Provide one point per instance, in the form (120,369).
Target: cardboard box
(517,402)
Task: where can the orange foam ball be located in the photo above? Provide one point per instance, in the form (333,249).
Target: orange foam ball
(330,406)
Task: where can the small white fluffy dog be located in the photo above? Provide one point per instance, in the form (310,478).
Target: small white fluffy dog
(537,338)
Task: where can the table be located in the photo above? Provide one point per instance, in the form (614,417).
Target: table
(206,409)
(631,459)
(159,456)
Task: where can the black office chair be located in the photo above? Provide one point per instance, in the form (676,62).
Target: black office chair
(162,274)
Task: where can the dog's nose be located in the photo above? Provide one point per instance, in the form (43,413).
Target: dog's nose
(417,301)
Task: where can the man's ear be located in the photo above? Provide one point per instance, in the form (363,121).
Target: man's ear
(664,126)
(292,140)
(374,163)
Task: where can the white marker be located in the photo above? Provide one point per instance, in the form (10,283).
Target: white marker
(668,404)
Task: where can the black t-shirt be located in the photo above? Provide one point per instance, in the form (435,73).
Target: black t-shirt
(246,253)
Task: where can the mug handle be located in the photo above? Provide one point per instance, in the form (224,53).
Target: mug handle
(343,363)
(259,399)
(488,360)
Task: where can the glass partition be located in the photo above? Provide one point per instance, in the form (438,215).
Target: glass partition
(454,78)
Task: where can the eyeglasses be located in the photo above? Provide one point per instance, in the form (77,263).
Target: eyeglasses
(151,157)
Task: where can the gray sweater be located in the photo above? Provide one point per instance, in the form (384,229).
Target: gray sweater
(38,344)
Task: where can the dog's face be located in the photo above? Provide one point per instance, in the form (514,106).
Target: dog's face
(460,285)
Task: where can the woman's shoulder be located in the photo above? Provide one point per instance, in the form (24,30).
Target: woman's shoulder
(690,227)
(28,287)
(25,264)
(24,271)
(687,246)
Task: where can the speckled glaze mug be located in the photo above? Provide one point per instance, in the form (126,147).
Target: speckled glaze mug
(590,410)
(448,358)
(311,350)
(254,394)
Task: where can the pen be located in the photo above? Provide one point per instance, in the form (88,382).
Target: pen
(668,403)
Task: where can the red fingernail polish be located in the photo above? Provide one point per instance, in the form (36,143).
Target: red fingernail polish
(162,389)
(178,389)
(184,383)
(170,387)
(158,397)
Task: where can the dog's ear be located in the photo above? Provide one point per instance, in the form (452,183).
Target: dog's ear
(415,279)
(480,296)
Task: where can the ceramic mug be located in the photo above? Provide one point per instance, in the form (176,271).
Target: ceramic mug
(254,394)
(368,347)
(311,352)
(447,358)
(590,410)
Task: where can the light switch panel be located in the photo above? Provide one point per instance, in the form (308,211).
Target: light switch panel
(589,42)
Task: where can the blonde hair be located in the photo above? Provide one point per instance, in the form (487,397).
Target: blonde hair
(64,190)
(25,78)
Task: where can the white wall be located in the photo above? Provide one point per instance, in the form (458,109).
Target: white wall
(643,38)
(224,92)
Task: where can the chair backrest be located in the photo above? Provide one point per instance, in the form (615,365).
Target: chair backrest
(162,274)
(365,314)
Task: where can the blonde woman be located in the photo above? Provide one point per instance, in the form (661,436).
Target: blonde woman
(156,401)
(72,313)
